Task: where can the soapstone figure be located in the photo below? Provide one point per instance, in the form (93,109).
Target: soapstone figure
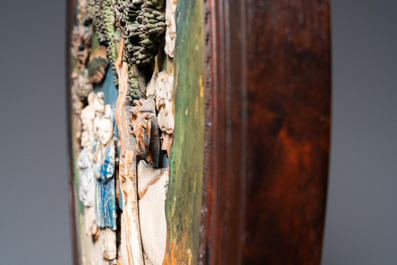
(170,34)
(99,108)
(85,164)
(86,188)
(87,118)
(105,194)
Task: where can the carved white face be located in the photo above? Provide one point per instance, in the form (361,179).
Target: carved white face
(105,131)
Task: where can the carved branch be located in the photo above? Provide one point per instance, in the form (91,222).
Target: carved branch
(128,174)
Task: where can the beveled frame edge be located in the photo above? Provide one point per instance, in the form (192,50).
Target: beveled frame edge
(70,22)
(218,205)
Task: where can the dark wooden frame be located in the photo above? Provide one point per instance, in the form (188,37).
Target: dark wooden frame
(267,131)
(70,21)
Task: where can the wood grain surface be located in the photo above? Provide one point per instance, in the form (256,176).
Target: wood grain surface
(267,131)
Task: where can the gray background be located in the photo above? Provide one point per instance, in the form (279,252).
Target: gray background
(361,224)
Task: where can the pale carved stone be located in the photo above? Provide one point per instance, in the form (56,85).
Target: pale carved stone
(151,211)
(77,106)
(87,185)
(152,181)
(87,118)
(82,11)
(147,175)
(80,90)
(81,86)
(99,109)
(170,33)
(160,89)
(145,129)
(105,192)
(152,214)
(86,172)
(81,45)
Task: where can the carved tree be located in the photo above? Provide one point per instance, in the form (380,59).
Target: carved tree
(127,167)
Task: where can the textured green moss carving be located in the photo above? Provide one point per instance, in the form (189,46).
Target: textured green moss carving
(143,35)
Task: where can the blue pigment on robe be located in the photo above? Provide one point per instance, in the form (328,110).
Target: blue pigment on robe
(110,97)
(105,202)
(110,94)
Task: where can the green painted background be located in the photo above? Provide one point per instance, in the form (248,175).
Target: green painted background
(185,187)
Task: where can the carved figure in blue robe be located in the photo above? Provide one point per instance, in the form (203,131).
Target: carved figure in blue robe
(105,190)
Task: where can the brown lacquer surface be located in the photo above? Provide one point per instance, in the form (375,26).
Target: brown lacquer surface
(267,131)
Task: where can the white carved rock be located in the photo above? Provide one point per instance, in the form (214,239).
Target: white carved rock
(85,165)
(88,114)
(147,175)
(86,173)
(152,211)
(170,33)
(160,89)
(99,108)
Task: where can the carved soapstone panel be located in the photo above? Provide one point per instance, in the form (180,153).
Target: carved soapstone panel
(137,122)
(143,191)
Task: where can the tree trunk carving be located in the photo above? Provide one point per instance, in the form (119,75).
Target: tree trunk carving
(128,173)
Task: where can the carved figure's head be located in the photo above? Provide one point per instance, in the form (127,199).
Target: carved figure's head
(99,103)
(91,98)
(106,130)
(87,118)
